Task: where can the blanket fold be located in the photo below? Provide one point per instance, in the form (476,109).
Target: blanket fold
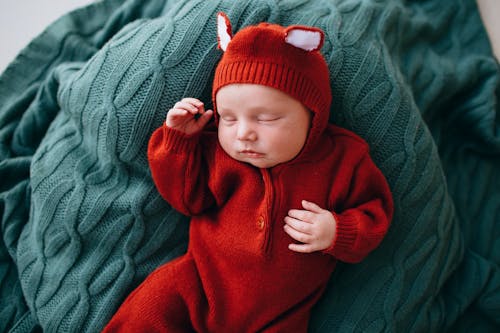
(82,223)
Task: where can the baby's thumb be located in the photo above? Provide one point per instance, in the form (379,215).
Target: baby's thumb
(205,117)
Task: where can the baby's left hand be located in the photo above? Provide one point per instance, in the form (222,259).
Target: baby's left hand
(314,227)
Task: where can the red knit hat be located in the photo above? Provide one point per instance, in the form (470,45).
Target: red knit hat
(287,59)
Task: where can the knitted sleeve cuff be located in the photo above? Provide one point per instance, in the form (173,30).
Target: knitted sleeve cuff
(179,142)
(345,236)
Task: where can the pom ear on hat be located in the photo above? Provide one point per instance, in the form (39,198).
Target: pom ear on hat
(305,38)
(224,31)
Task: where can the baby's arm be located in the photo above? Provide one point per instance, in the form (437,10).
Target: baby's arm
(314,227)
(175,155)
(363,223)
(351,234)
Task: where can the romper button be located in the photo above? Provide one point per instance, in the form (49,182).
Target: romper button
(260,223)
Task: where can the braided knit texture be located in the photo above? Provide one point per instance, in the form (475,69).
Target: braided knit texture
(82,223)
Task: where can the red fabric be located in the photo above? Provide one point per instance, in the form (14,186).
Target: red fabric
(238,274)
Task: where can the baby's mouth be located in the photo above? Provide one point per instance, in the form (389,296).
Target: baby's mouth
(251,153)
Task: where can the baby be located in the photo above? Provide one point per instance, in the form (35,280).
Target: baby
(276,195)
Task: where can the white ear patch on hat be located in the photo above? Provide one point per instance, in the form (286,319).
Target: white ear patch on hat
(305,38)
(224,33)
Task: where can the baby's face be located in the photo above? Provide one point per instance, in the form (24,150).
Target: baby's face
(261,125)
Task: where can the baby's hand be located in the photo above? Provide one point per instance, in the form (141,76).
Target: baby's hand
(314,227)
(183,116)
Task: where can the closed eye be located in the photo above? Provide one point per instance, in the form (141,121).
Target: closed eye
(228,119)
(268,119)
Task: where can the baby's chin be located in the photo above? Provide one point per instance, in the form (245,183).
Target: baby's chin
(265,164)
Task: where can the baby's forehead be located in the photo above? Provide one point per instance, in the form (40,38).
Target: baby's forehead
(222,109)
(254,96)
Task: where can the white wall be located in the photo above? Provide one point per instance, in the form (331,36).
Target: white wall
(22,20)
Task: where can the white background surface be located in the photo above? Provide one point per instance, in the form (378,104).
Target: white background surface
(22,20)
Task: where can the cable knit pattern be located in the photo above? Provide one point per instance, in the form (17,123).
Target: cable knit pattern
(82,223)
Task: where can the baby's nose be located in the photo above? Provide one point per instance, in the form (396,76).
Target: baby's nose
(246,132)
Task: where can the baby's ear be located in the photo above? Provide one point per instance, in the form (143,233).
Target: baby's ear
(305,38)
(224,33)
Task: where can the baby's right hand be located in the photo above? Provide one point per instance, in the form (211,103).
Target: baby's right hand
(183,116)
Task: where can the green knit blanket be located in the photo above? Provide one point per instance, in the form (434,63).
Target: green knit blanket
(82,223)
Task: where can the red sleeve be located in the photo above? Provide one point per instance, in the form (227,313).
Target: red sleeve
(363,224)
(179,171)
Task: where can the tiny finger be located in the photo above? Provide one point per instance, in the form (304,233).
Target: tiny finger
(176,113)
(297,235)
(298,225)
(301,248)
(194,101)
(302,215)
(311,206)
(186,105)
